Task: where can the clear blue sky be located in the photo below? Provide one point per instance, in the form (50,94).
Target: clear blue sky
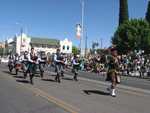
(57,18)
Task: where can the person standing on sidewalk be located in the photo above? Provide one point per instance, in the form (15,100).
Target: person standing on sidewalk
(112,75)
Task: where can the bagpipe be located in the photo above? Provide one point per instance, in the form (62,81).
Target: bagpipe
(61,59)
(34,58)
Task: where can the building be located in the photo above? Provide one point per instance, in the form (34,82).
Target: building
(2,45)
(22,43)
(49,46)
(19,44)
(66,46)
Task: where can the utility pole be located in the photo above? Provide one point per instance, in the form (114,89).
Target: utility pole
(101,41)
(82,24)
(4,41)
(86,38)
(21,31)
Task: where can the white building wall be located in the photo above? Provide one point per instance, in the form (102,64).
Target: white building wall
(47,50)
(66,46)
(22,43)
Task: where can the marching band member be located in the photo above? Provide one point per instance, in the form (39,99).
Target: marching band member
(59,62)
(32,64)
(76,66)
(113,66)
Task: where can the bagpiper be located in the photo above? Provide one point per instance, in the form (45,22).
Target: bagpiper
(42,62)
(59,62)
(25,63)
(32,64)
(112,75)
(76,66)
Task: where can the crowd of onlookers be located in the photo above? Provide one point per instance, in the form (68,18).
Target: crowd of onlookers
(133,64)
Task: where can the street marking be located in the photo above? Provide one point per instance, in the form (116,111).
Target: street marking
(70,108)
(58,102)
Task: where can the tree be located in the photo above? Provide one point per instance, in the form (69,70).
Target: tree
(147,17)
(94,45)
(1,51)
(123,13)
(102,51)
(132,35)
(75,50)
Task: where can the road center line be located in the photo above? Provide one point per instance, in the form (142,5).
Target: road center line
(60,103)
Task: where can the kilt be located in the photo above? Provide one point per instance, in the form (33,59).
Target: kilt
(112,73)
(75,68)
(32,68)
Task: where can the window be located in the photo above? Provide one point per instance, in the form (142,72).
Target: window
(63,47)
(67,47)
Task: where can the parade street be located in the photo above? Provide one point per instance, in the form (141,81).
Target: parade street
(87,95)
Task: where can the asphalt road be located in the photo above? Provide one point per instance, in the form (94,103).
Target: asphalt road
(15,98)
(85,96)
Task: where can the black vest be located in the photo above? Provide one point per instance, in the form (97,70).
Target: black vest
(33,57)
(26,57)
(59,57)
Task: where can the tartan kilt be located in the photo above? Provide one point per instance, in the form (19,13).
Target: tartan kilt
(75,67)
(32,68)
(110,74)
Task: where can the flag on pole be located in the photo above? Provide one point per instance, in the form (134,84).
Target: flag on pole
(78,31)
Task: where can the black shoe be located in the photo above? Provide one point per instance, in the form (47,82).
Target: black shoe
(62,74)
(75,78)
(31,79)
(56,77)
(41,74)
(59,81)
(25,75)
(113,95)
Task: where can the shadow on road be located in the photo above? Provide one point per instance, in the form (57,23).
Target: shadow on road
(7,72)
(89,92)
(22,81)
(52,75)
(37,75)
(64,78)
(51,80)
(18,76)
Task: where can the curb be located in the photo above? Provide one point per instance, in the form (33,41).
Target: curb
(133,89)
